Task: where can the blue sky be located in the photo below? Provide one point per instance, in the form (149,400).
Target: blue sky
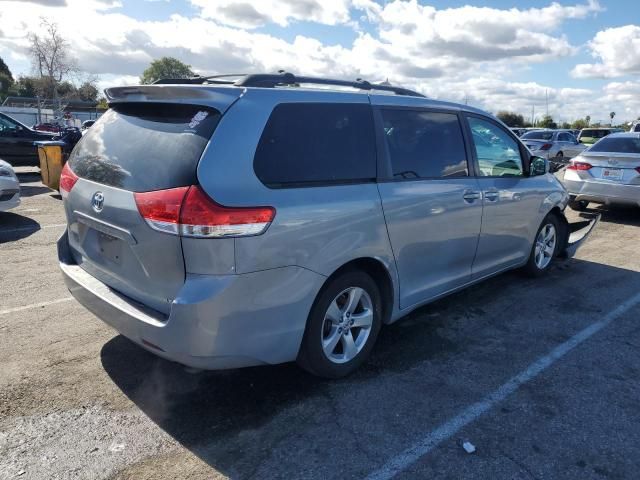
(496,54)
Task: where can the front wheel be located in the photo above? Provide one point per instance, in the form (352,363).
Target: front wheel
(546,246)
(342,327)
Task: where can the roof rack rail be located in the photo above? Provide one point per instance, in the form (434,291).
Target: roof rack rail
(285,78)
(282,78)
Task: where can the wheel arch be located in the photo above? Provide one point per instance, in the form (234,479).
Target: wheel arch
(559,214)
(379,273)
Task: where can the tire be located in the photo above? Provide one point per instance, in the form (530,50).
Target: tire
(326,351)
(578,205)
(541,258)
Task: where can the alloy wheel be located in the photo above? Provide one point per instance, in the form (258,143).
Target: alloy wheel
(545,246)
(347,324)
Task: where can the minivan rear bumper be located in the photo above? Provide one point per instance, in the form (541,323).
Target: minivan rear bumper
(216,321)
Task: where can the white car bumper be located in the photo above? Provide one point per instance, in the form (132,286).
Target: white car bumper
(9,193)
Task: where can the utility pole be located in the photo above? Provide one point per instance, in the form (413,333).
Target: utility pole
(546,98)
(533,115)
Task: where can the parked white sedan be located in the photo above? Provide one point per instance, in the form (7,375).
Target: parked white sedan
(9,187)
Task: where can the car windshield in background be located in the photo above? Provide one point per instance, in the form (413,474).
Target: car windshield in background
(538,136)
(617,145)
(145,146)
(593,133)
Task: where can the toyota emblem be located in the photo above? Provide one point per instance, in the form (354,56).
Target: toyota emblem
(97,202)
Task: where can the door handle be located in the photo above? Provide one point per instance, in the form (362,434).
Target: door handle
(491,195)
(471,195)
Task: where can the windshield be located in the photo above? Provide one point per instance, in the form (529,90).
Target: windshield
(540,135)
(617,145)
(9,123)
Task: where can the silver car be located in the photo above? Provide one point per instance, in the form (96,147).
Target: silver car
(9,187)
(556,145)
(259,221)
(608,172)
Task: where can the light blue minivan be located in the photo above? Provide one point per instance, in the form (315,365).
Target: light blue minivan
(225,222)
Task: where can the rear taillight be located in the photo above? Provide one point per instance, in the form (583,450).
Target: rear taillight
(189,212)
(67,180)
(161,208)
(546,146)
(579,166)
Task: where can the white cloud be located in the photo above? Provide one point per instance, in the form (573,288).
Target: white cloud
(251,14)
(456,54)
(618,52)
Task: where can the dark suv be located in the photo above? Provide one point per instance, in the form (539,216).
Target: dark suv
(16,142)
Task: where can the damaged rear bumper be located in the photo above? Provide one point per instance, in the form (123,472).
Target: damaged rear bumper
(578,232)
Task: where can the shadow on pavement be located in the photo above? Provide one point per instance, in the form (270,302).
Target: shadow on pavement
(33,190)
(227,417)
(16,227)
(619,214)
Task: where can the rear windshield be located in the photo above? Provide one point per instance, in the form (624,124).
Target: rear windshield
(145,146)
(537,136)
(592,133)
(617,145)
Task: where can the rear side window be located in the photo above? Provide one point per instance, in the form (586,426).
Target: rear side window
(316,144)
(145,146)
(424,144)
(565,137)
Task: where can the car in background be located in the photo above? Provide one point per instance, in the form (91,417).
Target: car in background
(47,127)
(635,127)
(16,142)
(9,187)
(325,226)
(589,136)
(608,172)
(87,124)
(558,146)
(518,131)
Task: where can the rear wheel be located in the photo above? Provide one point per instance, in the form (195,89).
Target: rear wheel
(578,205)
(546,246)
(342,327)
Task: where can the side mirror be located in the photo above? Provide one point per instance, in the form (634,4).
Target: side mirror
(538,166)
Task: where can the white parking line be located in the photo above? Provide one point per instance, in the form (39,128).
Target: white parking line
(33,227)
(445,431)
(35,305)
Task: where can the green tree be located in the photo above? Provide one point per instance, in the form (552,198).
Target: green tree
(6,80)
(612,114)
(580,123)
(511,119)
(24,87)
(547,122)
(565,125)
(588,119)
(102,103)
(88,92)
(166,67)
